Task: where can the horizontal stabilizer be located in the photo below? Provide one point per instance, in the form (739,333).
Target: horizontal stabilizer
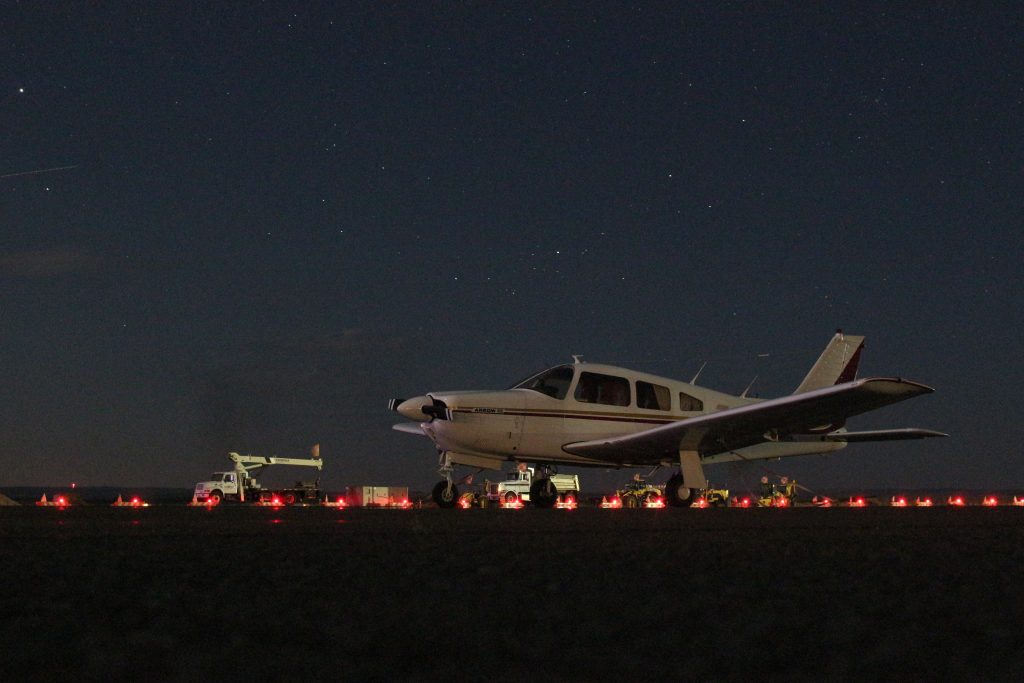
(408,428)
(883,435)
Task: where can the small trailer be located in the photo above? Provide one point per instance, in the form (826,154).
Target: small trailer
(378,496)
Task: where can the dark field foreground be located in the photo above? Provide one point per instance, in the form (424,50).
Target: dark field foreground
(178,593)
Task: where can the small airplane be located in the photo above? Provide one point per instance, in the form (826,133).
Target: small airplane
(587,414)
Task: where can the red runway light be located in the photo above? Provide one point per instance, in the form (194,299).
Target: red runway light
(700,503)
(1019,502)
(956,501)
(857,503)
(923,502)
(899,502)
(990,501)
(743,503)
(569,503)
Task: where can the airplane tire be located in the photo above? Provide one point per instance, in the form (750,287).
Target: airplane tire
(445,496)
(543,493)
(677,495)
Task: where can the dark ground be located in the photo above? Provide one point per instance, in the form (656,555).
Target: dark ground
(181,593)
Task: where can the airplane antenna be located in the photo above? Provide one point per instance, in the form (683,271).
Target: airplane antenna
(694,380)
(744,394)
(577,358)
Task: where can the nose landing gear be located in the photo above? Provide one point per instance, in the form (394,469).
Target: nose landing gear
(445,493)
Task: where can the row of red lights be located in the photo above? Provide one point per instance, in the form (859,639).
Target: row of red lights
(615,502)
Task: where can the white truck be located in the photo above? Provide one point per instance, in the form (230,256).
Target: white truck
(519,483)
(240,484)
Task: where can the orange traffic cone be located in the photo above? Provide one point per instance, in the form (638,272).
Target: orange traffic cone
(42,501)
(119,502)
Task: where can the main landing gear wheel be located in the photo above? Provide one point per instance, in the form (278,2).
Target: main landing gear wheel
(445,494)
(677,495)
(543,493)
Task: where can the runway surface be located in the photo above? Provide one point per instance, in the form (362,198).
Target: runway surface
(176,593)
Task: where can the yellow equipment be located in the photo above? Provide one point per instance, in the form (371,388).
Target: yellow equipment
(777,495)
(638,493)
(716,498)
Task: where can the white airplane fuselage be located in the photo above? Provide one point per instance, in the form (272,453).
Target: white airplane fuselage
(487,428)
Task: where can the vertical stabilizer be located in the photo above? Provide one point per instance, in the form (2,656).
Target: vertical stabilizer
(837,363)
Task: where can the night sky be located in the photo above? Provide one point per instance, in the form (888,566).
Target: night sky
(279,217)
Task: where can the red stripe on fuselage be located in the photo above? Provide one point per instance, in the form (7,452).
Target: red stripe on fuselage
(577,416)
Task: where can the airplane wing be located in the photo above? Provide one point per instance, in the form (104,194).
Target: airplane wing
(772,420)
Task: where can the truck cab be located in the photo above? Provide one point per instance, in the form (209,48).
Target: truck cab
(220,486)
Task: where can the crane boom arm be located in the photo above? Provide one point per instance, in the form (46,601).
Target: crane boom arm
(248,462)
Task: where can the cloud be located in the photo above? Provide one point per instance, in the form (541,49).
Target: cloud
(47,263)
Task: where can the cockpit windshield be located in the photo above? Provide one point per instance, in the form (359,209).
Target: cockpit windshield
(554,382)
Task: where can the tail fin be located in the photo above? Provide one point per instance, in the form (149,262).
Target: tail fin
(837,363)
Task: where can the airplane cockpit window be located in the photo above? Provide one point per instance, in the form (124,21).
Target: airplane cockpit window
(653,396)
(554,382)
(605,389)
(689,404)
